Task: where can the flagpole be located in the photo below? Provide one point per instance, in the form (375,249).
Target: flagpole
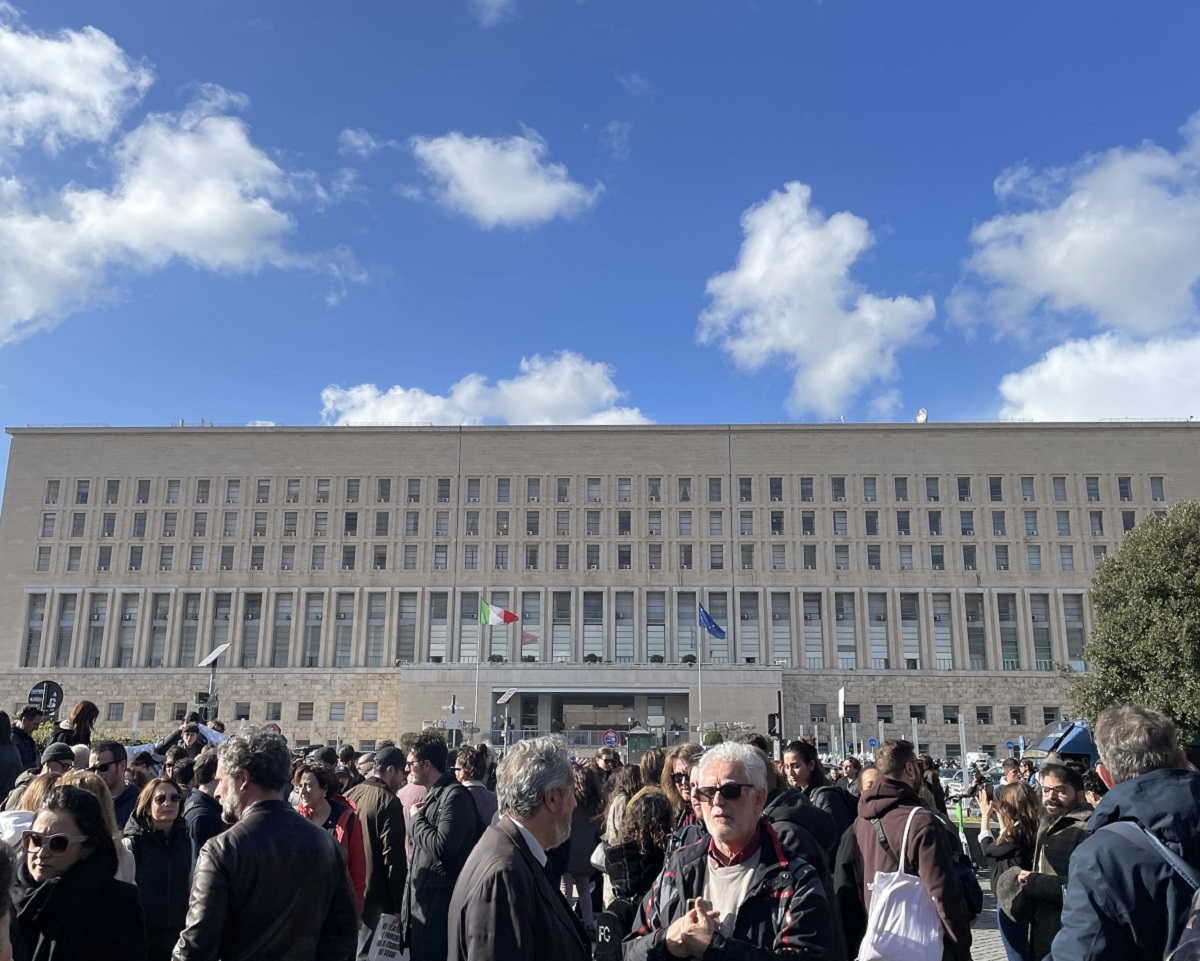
(487,630)
(700,689)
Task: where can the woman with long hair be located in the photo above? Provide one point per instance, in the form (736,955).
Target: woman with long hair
(636,857)
(316,784)
(95,786)
(78,730)
(157,837)
(621,788)
(677,767)
(1016,807)
(65,897)
(803,769)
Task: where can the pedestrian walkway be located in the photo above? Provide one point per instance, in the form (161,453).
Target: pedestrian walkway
(986,944)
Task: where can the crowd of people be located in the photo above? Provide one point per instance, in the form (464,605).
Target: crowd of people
(248,851)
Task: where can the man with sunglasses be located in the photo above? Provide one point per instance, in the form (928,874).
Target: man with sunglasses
(736,892)
(108,760)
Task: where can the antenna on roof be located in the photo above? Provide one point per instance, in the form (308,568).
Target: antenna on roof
(922,416)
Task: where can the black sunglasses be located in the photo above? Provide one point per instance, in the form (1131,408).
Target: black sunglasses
(167,798)
(679,778)
(730,791)
(57,843)
(102,768)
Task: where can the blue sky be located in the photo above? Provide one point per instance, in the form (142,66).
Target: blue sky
(522,211)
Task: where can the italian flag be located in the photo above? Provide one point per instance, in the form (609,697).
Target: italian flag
(494,615)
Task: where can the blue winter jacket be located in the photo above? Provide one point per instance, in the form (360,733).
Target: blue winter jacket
(1124,900)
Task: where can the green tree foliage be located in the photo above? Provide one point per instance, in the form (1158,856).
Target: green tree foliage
(1145,642)
(712,737)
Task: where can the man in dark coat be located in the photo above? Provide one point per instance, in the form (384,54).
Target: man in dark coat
(443,828)
(274,887)
(24,724)
(930,853)
(1124,900)
(382,817)
(504,908)
(202,810)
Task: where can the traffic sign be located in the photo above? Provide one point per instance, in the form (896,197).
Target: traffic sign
(611,738)
(872,743)
(1021,743)
(47,695)
(1010,745)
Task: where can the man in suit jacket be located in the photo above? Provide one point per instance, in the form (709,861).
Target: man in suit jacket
(504,908)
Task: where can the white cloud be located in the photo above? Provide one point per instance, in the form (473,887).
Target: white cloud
(1107,376)
(885,406)
(563,389)
(635,84)
(1114,238)
(190,187)
(791,296)
(74,86)
(491,13)
(501,182)
(359,142)
(616,137)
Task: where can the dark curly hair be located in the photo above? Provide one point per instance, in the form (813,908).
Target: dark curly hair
(323,774)
(473,759)
(648,822)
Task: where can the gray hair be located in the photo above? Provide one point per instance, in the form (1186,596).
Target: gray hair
(1133,740)
(531,768)
(748,756)
(261,754)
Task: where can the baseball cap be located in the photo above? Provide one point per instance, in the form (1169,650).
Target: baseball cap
(30,710)
(58,752)
(389,757)
(192,716)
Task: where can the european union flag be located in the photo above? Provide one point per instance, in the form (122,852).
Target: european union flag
(710,625)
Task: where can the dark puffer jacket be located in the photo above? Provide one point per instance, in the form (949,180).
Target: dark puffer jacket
(164,879)
(631,872)
(804,830)
(1123,899)
(785,913)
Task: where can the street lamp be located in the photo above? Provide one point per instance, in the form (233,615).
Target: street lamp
(211,663)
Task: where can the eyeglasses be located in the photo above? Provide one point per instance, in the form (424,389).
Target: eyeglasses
(729,791)
(167,798)
(57,843)
(679,779)
(102,768)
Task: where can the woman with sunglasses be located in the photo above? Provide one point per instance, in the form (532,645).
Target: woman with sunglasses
(65,897)
(677,786)
(320,803)
(157,837)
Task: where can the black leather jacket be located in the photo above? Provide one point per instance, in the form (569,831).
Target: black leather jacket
(272,888)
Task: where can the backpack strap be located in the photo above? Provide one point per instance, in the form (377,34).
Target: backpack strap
(1134,832)
(883,841)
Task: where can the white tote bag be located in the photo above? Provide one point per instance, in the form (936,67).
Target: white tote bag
(903,923)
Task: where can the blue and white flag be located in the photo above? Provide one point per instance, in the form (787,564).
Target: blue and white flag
(710,625)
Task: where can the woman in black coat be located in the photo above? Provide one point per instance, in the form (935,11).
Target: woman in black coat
(157,836)
(1016,807)
(65,898)
(78,730)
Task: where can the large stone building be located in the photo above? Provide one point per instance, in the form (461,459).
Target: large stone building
(930,571)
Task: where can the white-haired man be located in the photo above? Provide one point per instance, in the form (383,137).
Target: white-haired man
(735,891)
(1128,893)
(504,908)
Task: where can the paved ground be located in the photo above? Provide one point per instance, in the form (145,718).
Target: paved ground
(986,945)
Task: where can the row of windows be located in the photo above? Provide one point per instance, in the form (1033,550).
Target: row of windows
(985,715)
(146,712)
(813,523)
(353,490)
(594,557)
(867,629)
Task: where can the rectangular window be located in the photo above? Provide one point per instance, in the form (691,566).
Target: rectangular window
(501,557)
(776,488)
(871,523)
(905,557)
(714,523)
(684,524)
(1096,522)
(349,524)
(1060,488)
(112,491)
(810,557)
(1128,520)
(593,557)
(441,557)
(837,488)
(370,711)
(414,490)
(82,491)
(964,488)
(474,486)
(1156,489)
(1033,557)
(685,557)
(531,557)
(935,523)
(969,559)
(52,487)
(260,523)
(841,557)
(1062,522)
(353,489)
(777,523)
(932,489)
(562,488)
(841,526)
(996,489)
(716,557)
(410,557)
(714,490)
(966,523)
(562,523)
(1099,552)
(43,559)
(869,489)
(901,487)
(48,525)
(684,485)
(745,489)
(412,523)
(104,559)
(227,558)
(379,557)
(999,526)
(562,557)
(318,557)
(746,523)
(135,558)
(903,524)
(1027,490)
(74,558)
(116,711)
(1066,557)
(1093,488)
(503,490)
(937,557)
(77,524)
(806,488)
(874,561)
(1031,523)
(808,522)
(1125,488)
(1001,557)
(533,489)
(382,523)
(287,558)
(304,711)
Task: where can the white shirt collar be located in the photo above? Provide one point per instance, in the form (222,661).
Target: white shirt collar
(534,848)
